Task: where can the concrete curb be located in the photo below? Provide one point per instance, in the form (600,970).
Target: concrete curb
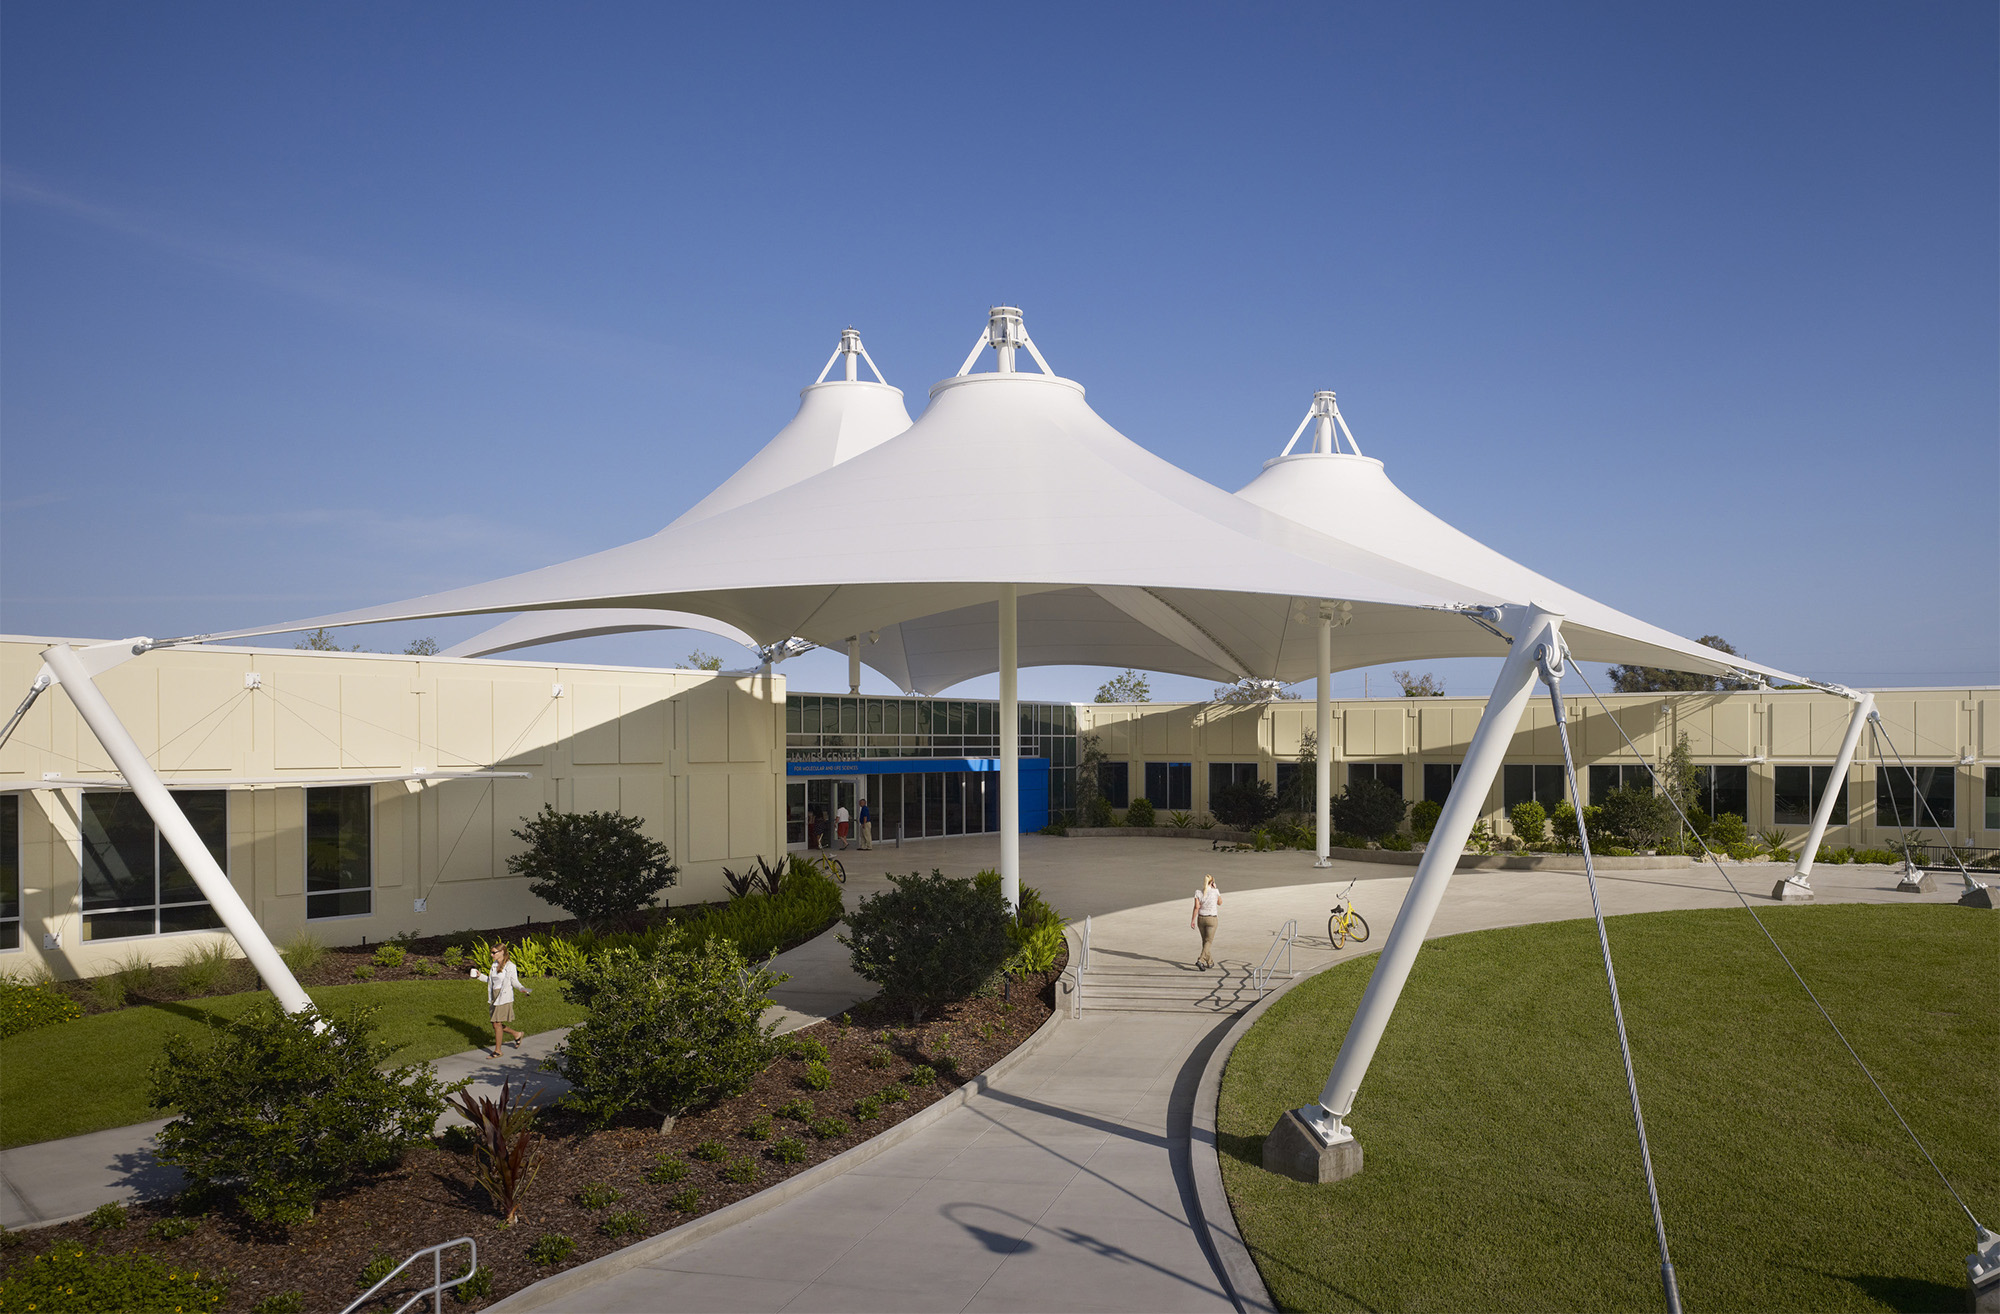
(1217,1216)
(1466,861)
(653,1248)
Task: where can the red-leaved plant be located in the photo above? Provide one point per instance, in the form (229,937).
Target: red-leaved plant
(510,1158)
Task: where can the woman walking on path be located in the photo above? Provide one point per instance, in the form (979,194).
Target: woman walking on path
(1207,909)
(501,983)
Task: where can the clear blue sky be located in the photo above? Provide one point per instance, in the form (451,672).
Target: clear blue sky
(1691,306)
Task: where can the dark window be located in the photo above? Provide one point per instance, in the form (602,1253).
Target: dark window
(1605,779)
(1796,794)
(1114,781)
(1531,784)
(340,869)
(1221,775)
(133,881)
(1438,780)
(954,802)
(1170,785)
(1721,789)
(933,803)
(10,871)
(1388,773)
(795,812)
(1993,798)
(1298,787)
(1931,807)
(913,806)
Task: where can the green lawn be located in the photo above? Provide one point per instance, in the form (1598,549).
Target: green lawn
(89,1074)
(1502,1171)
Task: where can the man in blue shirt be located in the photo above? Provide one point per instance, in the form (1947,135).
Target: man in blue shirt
(867,836)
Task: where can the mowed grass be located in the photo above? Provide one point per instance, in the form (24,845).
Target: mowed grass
(1502,1171)
(90,1074)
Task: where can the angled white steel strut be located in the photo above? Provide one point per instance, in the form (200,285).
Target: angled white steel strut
(1798,884)
(73,672)
(1527,628)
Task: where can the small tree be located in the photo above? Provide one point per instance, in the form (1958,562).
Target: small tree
(1655,679)
(664,1034)
(282,1112)
(1255,693)
(1424,816)
(701,661)
(929,939)
(1243,804)
(1531,823)
(1089,794)
(1426,685)
(1128,686)
(596,866)
(424,647)
(1638,816)
(1369,808)
(1301,794)
(321,640)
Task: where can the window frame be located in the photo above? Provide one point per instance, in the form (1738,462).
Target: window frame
(160,847)
(12,853)
(1451,779)
(305,855)
(1886,817)
(1122,797)
(1374,770)
(1819,778)
(1185,781)
(1539,774)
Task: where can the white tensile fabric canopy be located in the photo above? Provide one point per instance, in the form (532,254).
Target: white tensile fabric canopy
(835,420)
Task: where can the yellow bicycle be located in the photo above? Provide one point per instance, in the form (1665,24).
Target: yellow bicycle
(1343,923)
(830,866)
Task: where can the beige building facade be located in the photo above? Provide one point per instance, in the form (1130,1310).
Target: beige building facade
(358,796)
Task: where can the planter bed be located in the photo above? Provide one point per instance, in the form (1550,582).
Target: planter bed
(432,1196)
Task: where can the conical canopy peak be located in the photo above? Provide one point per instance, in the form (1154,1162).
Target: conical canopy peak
(851,350)
(1005,333)
(1328,428)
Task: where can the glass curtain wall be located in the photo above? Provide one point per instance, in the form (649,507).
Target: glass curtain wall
(829,727)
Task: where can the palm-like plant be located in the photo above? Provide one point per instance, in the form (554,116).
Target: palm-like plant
(510,1158)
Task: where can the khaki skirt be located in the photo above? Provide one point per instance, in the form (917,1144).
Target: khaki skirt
(503,1012)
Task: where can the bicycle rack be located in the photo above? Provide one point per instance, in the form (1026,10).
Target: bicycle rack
(1261,978)
(438,1285)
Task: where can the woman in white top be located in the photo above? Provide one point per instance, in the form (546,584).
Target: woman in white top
(501,983)
(1207,909)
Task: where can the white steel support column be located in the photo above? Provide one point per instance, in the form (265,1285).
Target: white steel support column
(1797,885)
(1010,747)
(180,836)
(1530,628)
(854,665)
(1323,755)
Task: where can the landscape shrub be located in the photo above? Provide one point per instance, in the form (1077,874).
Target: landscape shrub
(868,1108)
(1098,812)
(1424,817)
(284,1302)
(687,1199)
(1742,851)
(173,1227)
(1243,804)
(72,1277)
(477,1285)
(829,1128)
(1480,838)
(108,1217)
(710,1151)
(929,939)
(389,955)
(1833,857)
(789,1150)
(365,972)
(1140,813)
(1369,808)
(281,1108)
(626,1222)
(1881,856)
(1181,820)
(303,952)
(1639,818)
(921,1075)
(742,1170)
(810,1048)
(596,866)
(798,1110)
(1562,826)
(551,1248)
(26,1005)
(762,923)
(758,1128)
(664,1034)
(1398,843)
(1531,823)
(1726,830)
(817,1076)
(665,1170)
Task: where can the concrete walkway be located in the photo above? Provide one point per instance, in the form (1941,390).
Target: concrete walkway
(59,1180)
(1066,1184)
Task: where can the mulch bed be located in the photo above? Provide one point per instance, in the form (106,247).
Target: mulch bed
(432,1196)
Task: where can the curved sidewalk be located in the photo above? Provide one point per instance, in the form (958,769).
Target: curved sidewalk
(1066,1185)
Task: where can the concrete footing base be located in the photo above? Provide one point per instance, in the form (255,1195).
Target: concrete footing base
(1986,1296)
(1979,898)
(1790,891)
(1917,881)
(1293,1151)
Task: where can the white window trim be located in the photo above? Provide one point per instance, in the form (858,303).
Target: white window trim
(305,856)
(84,915)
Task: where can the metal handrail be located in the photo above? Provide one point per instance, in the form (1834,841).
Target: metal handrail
(1086,942)
(1287,933)
(438,1285)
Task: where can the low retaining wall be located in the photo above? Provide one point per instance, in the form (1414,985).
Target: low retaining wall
(1466,861)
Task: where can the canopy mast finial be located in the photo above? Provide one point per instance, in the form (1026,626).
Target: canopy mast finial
(1004,333)
(850,347)
(1328,430)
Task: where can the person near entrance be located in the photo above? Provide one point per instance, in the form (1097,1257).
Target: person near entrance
(815,831)
(840,824)
(1207,911)
(866,832)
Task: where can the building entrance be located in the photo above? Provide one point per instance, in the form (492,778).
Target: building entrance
(810,806)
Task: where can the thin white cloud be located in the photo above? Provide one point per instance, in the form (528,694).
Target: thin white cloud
(407,304)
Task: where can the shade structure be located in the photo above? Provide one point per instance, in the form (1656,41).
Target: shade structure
(1006,478)
(836,420)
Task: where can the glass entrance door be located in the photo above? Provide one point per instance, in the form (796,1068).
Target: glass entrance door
(822,796)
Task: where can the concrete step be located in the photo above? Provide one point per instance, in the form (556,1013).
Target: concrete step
(1169,990)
